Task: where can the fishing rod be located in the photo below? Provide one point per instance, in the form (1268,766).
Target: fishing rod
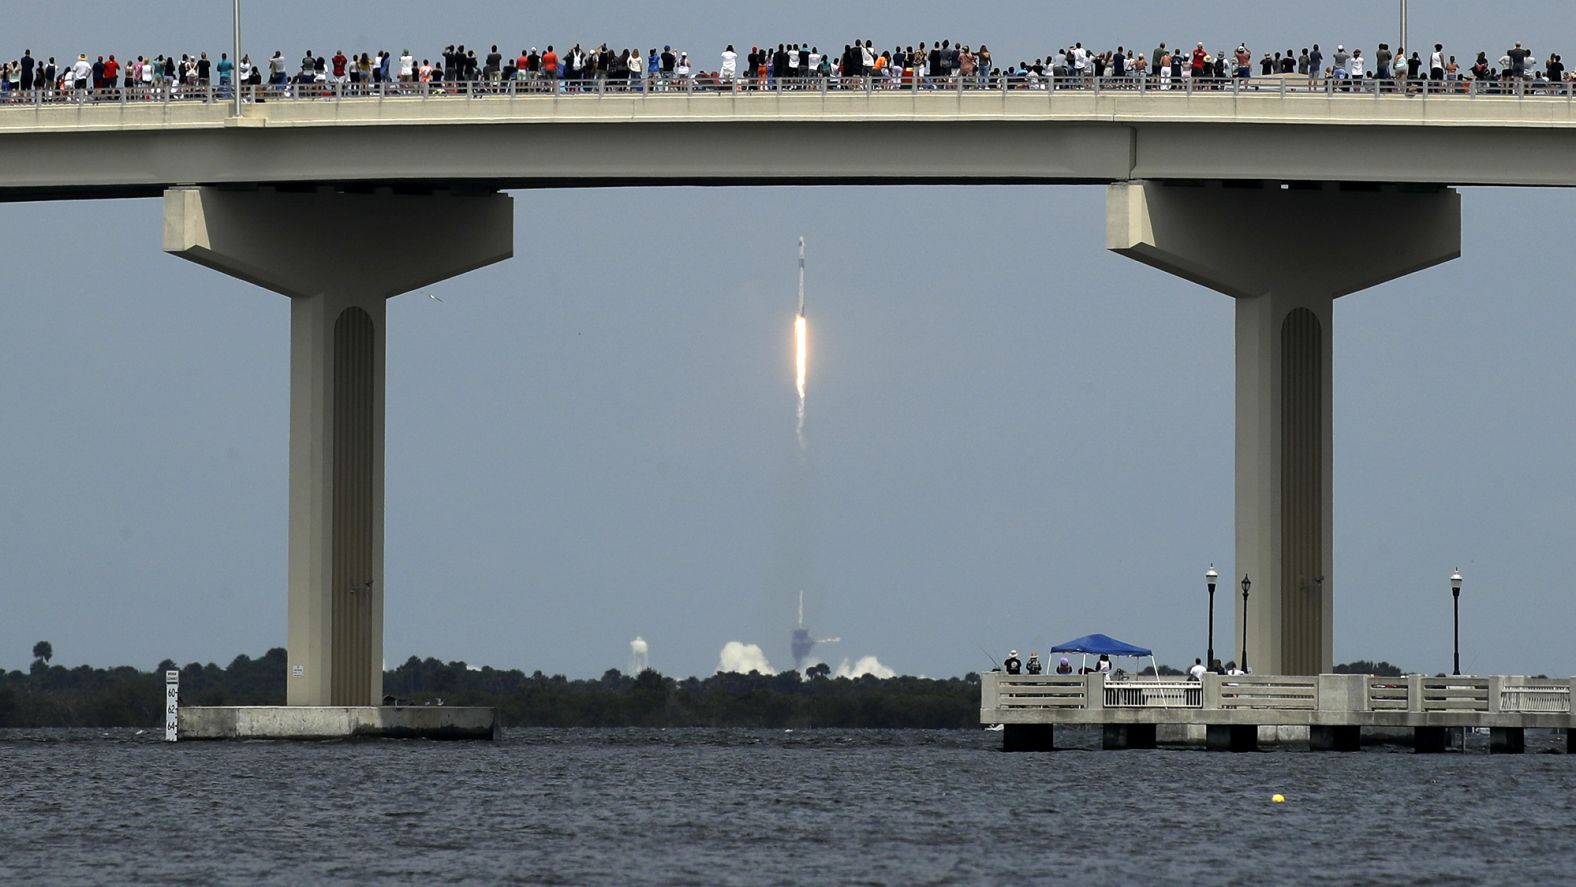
(987,655)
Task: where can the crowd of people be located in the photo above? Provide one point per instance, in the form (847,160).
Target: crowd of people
(942,64)
(1013,665)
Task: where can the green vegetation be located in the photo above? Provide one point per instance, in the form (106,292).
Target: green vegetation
(1362,666)
(54,696)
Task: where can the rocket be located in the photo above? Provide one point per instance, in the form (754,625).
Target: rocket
(801,277)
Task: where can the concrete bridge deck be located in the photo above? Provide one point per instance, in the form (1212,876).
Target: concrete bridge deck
(492,142)
(1335,708)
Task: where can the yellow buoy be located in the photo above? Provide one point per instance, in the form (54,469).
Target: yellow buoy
(1278,799)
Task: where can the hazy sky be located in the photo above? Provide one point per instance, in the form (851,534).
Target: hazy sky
(1014,437)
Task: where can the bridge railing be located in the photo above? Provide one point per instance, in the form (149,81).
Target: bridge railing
(1283,86)
(1535,696)
(1002,694)
(1268,691)
(1154,694)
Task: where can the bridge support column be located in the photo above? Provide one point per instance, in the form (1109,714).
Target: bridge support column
(1285,256)
(1116,737)
(1028,737)
(1346,737)
(1507,740)
(338,257)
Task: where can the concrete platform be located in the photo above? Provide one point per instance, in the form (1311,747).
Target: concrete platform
(319,722)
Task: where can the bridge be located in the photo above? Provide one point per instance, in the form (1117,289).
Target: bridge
(289,196)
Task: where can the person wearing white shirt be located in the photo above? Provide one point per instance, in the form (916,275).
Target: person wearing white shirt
(1436,63)
(637,70)
(1197,672)
(81,72)
(730,65)
(1354,67)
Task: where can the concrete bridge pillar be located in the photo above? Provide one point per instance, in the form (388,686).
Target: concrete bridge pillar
(1285,255)
(338,257)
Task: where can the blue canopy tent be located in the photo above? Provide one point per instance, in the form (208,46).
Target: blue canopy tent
(1100,643)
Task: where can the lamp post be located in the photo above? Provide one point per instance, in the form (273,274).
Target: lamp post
(1209,577)
(235,60)
(1246,584)
(1455,593)
(1404,42)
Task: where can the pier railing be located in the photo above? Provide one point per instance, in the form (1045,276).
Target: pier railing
(1005,696)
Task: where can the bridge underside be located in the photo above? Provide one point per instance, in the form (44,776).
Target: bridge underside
(139,149)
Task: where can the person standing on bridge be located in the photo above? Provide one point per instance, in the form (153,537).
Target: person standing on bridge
(1436,63)
(730,67)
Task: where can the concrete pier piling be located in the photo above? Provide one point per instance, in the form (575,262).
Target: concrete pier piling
(1127,736)
(1507,740)
(1028,737)
(1338,738)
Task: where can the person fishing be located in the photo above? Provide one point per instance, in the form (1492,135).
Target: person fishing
(1013,664)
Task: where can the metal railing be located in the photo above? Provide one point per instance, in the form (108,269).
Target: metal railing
(1282,86)
(1535,698)
(1154,694)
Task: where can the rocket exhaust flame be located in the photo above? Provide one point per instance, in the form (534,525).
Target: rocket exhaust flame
(800,346)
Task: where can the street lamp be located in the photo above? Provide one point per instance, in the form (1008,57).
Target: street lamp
(1210,576)
(1404,42)
(1455,593)
(1246,584)
(235,61)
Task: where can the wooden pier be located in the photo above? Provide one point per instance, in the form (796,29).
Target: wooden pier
(1334,708)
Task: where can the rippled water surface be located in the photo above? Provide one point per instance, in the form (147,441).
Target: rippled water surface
(767,807)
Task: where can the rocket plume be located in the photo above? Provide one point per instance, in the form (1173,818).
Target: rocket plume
(800,346)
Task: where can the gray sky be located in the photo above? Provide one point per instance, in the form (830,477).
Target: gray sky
(1015,437)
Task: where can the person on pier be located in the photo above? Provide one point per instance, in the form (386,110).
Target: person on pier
(1013,665)
(1034,663)
(1064,667)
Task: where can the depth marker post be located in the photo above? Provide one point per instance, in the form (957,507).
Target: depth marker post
(172,701)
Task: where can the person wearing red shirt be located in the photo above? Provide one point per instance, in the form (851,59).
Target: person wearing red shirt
(549,64)
(339,65)
(111,72)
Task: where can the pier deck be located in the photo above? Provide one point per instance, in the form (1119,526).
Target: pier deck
(1334,708)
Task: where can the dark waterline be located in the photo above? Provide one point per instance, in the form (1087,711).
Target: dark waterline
(769,807)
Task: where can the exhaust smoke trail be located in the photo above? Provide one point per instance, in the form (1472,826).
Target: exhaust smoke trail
(801,346)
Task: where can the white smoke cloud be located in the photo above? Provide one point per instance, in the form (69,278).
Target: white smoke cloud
(743,658)
(865,665)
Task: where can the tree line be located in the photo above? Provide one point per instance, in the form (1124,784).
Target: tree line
(55,696)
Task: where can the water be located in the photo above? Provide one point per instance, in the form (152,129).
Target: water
(768,807)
